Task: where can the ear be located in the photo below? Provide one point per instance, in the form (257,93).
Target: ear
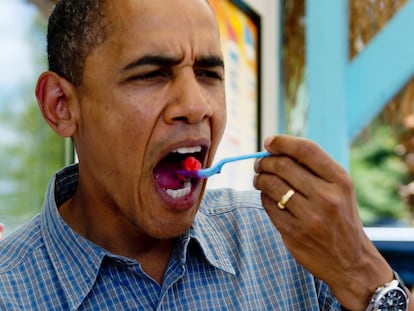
(57,100)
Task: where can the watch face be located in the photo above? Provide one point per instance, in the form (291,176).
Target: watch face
(393,300)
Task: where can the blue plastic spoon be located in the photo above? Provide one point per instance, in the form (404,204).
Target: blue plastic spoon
(216,168)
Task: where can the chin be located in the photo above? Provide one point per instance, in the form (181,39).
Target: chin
(168,234)
(169,230)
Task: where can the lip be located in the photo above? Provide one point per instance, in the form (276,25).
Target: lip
(188,201)
(183,203)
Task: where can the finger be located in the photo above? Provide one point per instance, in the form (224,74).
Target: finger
(307,153)
(280,218)
(292,172)
(314,196)
(289,221)
(275,189)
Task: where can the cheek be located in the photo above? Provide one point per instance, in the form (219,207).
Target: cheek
(134,131)
(137,115)
(117,134)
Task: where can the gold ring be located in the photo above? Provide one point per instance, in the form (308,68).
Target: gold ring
(285,198)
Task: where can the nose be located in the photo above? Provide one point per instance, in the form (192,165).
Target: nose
(190,101)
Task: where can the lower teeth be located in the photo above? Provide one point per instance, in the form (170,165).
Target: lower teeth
(179,193)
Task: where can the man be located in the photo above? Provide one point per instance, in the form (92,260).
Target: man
(139,86)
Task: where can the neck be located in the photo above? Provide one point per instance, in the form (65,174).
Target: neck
(119,237)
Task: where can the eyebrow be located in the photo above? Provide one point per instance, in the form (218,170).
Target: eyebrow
(210,61)
(166,61)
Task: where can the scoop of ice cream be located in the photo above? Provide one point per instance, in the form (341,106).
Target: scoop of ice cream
(191,164)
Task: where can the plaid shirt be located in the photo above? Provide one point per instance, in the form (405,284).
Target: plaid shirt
(232,258)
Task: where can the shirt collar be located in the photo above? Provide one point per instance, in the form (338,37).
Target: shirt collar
(215,248)
(76,260)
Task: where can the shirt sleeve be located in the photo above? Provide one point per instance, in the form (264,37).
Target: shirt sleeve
(327,301)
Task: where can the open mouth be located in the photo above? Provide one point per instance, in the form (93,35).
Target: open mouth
(176,186)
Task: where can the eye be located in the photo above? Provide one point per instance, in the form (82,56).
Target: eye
(150,76)
(209,74)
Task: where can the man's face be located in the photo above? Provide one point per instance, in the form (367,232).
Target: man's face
(151,95)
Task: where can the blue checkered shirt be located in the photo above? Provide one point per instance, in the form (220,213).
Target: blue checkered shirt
(232,258)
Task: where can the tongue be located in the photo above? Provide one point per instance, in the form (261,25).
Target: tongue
(165,175)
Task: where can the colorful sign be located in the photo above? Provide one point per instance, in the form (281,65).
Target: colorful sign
(240,39)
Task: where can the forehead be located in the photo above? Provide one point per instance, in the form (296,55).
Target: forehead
(163,24)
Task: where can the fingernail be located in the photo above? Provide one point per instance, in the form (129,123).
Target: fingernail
(268,140)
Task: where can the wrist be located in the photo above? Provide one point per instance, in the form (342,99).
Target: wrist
(360,282)
(393,295)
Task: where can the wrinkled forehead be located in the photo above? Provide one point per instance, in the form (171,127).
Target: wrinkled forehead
(160,13)
(167,24)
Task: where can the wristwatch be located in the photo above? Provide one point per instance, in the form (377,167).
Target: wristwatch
(391,296)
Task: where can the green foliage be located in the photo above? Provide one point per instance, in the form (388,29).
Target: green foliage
(378,172)
(28,164)
(29,150)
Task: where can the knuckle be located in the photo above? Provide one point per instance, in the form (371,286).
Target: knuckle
(284,164)
(347,184)
(265,182)
(273,185)
(308,149)
(269,184)
(332,203)
(332,206)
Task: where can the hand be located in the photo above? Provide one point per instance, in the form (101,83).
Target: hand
(320,224)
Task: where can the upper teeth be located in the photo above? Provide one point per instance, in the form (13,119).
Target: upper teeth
(185,150)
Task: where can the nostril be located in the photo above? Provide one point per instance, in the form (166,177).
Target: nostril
(181,119)
(189,117)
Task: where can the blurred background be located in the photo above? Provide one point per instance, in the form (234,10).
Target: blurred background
(29,151)
(381,158)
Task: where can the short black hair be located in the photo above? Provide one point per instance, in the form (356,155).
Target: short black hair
(75,28)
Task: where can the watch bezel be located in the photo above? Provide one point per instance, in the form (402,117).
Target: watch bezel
(392,291)
(381,293)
